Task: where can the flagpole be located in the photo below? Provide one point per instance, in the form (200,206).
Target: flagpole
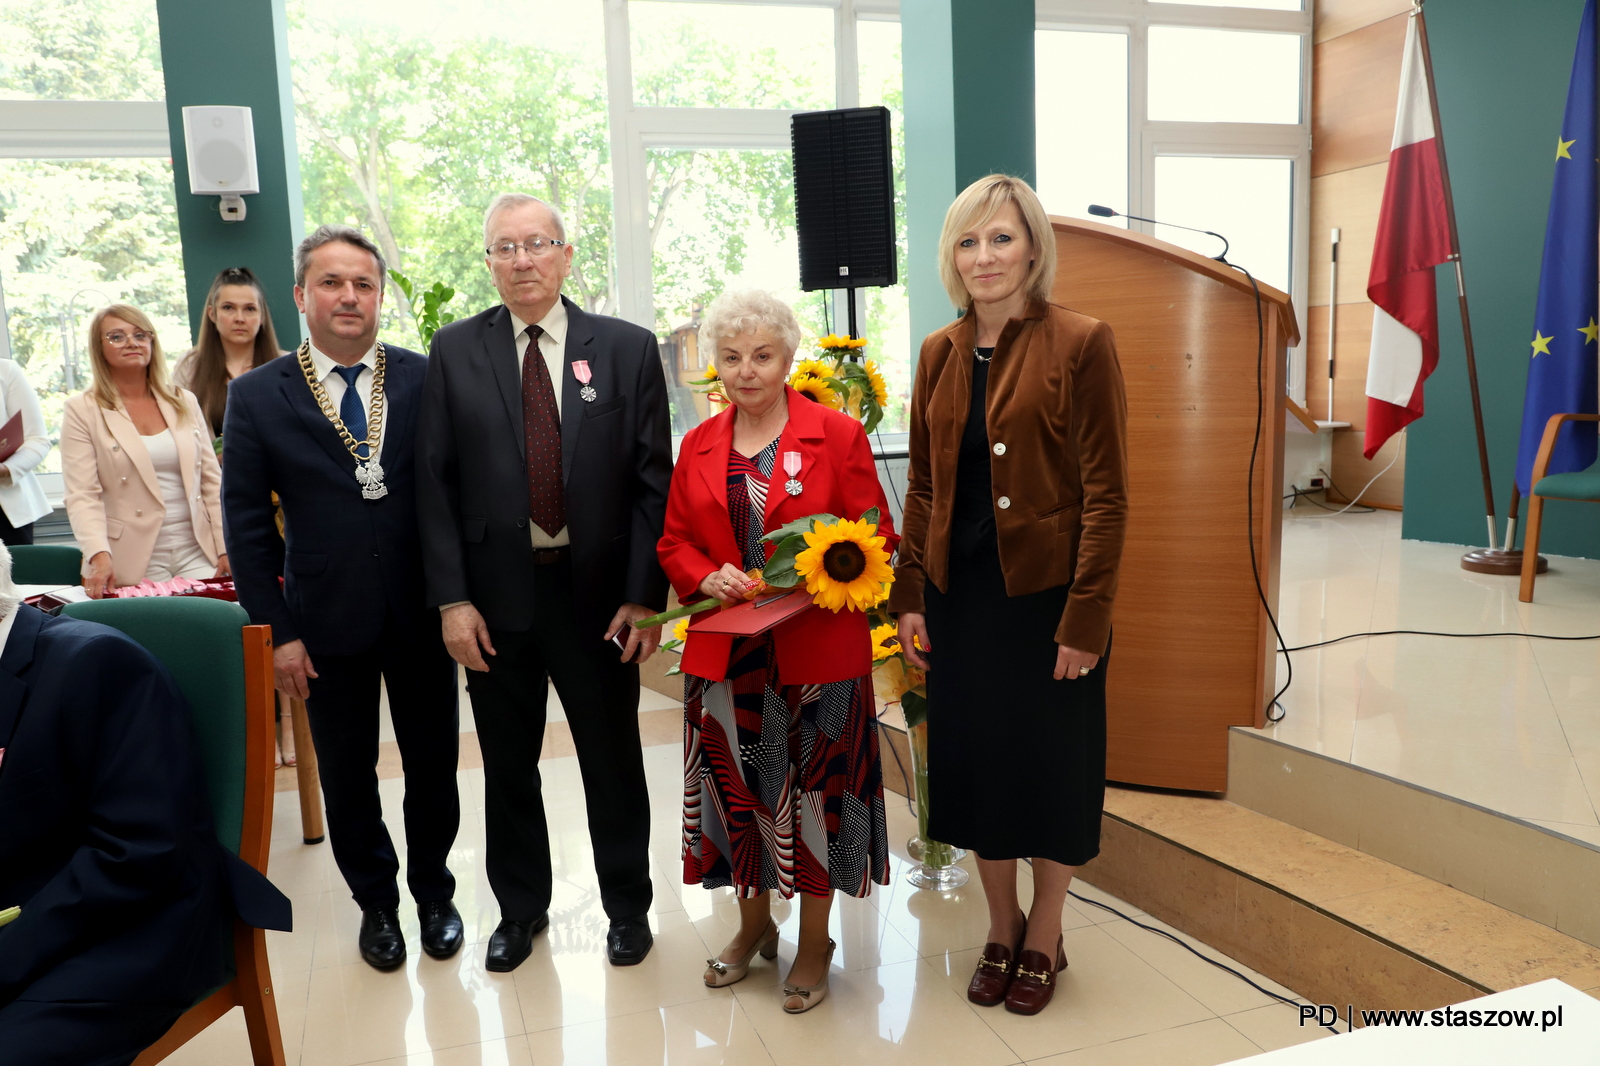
(1472,560)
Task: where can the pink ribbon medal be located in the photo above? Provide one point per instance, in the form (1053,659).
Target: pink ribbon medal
(791,466)
(581,371)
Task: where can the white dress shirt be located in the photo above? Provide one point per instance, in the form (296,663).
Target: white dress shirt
(335,386)
(5,630)
(553,346)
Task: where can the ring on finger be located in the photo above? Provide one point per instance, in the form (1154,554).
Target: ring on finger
(1084,670)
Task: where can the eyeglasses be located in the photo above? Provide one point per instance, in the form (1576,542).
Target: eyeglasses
(537,248)
(117,338)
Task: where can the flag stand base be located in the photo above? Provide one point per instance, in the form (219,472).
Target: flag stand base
(1497,561)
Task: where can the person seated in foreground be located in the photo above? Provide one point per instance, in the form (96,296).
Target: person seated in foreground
(117,897)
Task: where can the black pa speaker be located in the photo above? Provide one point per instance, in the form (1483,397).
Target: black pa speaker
(844,198)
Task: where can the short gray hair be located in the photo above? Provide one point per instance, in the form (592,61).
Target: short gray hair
(327,235)
(748,311)
(10,595)
(518,199)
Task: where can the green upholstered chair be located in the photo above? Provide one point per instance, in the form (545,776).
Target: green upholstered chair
(46,564)
(224,667)
(1577,485)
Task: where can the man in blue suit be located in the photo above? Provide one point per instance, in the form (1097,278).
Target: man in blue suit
(329,429)
(126,896)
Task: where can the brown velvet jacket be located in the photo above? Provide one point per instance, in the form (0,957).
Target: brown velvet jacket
(1057,421)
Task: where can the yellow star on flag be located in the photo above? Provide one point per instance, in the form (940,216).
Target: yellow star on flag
(1562,146)
(1541,343)
(1590,332)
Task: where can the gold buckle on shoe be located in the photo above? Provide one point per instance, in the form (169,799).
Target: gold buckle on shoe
(1042,978)
(1003,967)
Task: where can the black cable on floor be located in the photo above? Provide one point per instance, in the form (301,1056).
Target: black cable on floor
(1430,633)
(1191,950)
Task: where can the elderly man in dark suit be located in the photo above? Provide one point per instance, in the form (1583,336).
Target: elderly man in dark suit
(543,460)
(330,431)
(126,896)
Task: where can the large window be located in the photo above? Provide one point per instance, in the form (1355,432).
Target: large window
(410,118)
(1190,113)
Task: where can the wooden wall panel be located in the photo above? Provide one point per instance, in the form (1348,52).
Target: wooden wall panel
(1351,471)
(1349,200)
(1354,339)
(1353,96)
(1337,17)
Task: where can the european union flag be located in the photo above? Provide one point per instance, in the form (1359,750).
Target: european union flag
(1562,373)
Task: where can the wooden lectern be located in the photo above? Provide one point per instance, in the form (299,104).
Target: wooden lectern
(1193,650)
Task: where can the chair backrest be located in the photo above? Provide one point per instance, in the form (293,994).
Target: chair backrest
(46,564)
(198,641)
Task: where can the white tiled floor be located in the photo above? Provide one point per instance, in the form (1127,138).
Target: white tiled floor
(1510,723)
(898,980)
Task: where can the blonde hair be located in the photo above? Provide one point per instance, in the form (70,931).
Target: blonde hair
(155,371)
(977,204)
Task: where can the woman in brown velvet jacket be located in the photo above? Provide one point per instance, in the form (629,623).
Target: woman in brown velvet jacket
(1013,531)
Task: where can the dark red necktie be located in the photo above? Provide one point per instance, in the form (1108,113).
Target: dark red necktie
(547,503)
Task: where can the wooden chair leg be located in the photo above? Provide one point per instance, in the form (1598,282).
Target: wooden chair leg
(253,978)
(305,755)
(1530,548)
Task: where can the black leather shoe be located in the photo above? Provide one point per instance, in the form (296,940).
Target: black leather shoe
(512,941)
(441,928)
(383,946)
(628,941)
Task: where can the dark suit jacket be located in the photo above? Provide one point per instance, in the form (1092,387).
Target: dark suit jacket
(106,840)
(343,559)
(616,458)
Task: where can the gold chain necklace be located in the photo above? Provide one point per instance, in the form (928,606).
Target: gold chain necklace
(369,473)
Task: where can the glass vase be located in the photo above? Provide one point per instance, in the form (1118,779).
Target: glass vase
(937,867)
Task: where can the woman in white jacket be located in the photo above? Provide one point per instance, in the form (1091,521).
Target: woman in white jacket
(22,501)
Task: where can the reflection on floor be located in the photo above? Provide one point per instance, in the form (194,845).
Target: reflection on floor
(898,980)
(1509,723)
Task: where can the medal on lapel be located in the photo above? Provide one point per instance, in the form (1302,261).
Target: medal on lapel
(791,466)
(581,371)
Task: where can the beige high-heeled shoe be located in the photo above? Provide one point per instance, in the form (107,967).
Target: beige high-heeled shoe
(720,974)
(798,999)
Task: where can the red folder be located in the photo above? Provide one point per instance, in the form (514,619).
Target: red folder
(758,615)
(11,437)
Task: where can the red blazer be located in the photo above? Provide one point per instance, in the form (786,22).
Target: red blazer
(837,470)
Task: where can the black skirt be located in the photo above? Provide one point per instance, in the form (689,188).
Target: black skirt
(1016,759)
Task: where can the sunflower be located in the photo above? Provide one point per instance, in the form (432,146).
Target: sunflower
(816,368)
(880,388)
(711,373)
(680,629)
(844,565)
(885,641)
(816,388)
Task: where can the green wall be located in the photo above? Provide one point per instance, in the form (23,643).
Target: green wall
(236,54)
(1501,70)
(968,112)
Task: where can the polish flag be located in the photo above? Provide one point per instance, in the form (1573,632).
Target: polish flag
(1413,238)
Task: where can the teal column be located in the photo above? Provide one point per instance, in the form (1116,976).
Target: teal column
(236,54)
(968,112)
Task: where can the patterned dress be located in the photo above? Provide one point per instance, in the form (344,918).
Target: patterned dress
(782,786)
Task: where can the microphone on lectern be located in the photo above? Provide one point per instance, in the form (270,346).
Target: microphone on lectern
(1106,212)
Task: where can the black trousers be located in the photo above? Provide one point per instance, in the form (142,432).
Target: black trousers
(420,678)
(11,535)
(600,695)
(81,1033)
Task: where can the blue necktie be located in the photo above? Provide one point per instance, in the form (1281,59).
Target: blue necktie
(350,410)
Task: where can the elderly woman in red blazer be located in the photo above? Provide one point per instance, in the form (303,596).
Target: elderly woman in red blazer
(783,788)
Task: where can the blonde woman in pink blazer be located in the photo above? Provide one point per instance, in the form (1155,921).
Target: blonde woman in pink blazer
(143,482)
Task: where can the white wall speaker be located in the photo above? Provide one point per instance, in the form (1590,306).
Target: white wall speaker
(221,144)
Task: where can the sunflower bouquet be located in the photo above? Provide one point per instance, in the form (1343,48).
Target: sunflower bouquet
(837,380)
(840,562)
